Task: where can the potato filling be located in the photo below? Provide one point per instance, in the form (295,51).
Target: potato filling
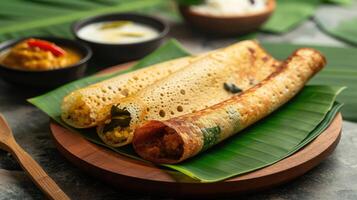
(118,135)
(166,144)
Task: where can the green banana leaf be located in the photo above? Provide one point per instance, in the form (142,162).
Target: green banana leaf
(341,70)
(277,136)
(345,29)
(20,18)
(289,14)
(321,127)
(344,2)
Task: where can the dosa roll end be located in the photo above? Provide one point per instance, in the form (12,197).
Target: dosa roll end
(158,143)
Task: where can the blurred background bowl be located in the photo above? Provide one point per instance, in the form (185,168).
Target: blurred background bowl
(119,53)
(227,25)
(47,78)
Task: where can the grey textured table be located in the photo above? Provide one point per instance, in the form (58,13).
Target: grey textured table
(335,178)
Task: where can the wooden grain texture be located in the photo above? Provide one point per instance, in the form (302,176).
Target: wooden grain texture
(126,173)
(31,167)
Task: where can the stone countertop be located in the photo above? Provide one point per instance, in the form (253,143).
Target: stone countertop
(334,178)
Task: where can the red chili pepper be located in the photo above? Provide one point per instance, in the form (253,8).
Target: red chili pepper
(47,46)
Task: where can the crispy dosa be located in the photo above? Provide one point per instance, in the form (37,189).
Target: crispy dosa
(179,138)
(215,77)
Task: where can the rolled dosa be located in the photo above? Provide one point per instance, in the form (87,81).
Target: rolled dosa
(80,109)
(211,79)
(179,138)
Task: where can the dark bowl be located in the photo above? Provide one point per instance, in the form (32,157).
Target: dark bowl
(119,53)
(47,78)
(227,25)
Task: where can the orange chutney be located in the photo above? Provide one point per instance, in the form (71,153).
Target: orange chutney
(24,56)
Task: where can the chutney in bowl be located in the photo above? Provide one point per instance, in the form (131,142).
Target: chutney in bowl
(43,62)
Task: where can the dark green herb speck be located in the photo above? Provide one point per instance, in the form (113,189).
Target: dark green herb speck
(230,87)
(120,118)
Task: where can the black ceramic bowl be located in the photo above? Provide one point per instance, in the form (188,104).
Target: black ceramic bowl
(47,78)
(119,53)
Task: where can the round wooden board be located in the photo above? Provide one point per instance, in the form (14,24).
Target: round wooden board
(127,173)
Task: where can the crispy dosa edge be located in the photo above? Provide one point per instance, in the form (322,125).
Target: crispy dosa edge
(146,140)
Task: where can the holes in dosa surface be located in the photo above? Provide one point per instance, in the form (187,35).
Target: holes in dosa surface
(179,108)
(125,92)
(162,113)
